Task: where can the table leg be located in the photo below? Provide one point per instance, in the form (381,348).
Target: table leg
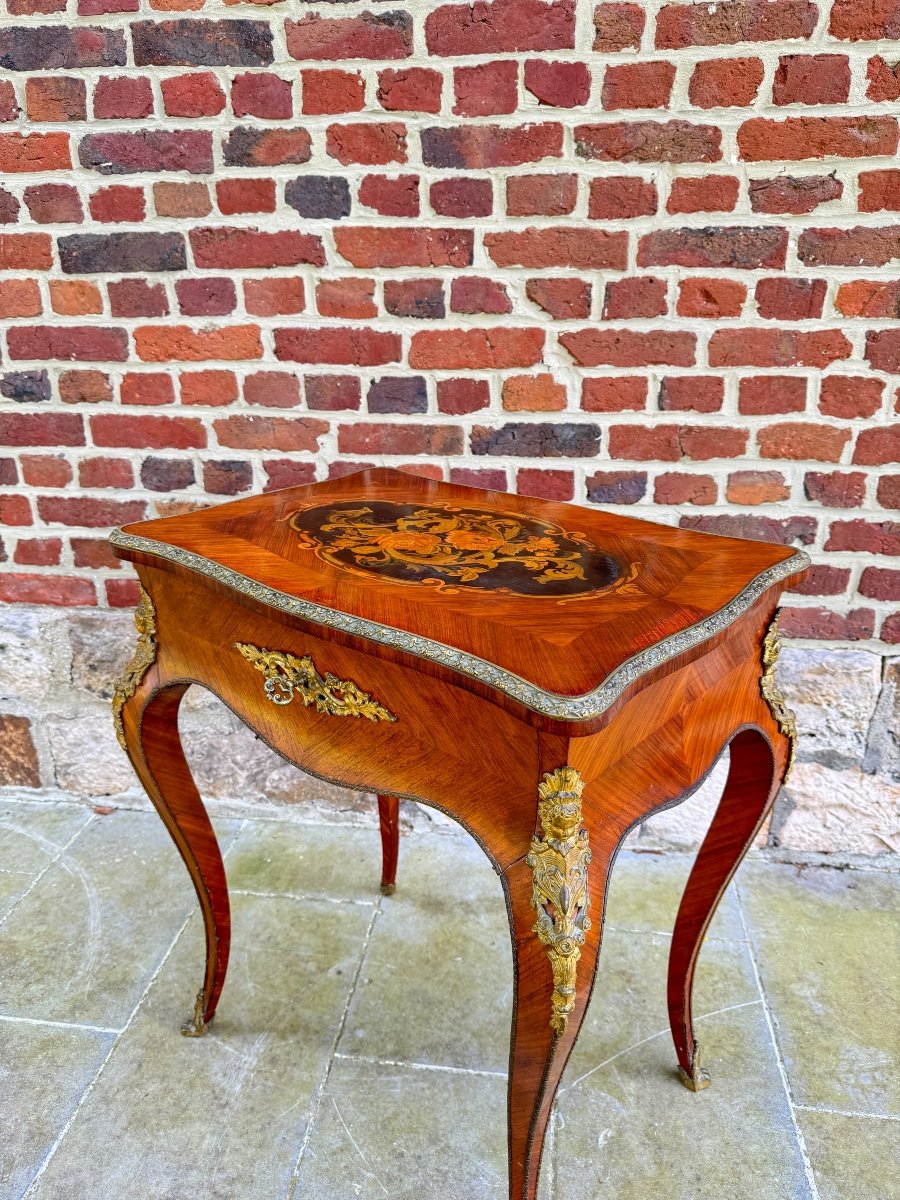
(154,747)
(753,778)
(389,820)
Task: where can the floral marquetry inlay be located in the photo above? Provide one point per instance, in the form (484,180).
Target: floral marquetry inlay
(451,547)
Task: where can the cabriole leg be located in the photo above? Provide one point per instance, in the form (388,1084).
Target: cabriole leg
(389,820)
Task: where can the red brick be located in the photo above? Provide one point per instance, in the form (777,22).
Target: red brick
(410,89)
(710,298)
(681,25)
(272,389)
(123,97)
(617,487)
(867,22)
(181,199)
(369,35)
(462,197)
(84,343)
(777,348)
(391,197)
(117,203)
(621,197)
(533,393)
(641,443)
(196,95)
(628,348)
(793,193)
(105,473)
(38,552)
(270,433)
(856,625)
(558,84)
(879,190)
(811,79)
(501,27)
(710,193)
(756,487)
(327,92)
(890,629)
(802,441)
(15,511)
(383,246)
(256,94)
(547,485)
(238,248)
(41,429)
(787,299)
(339,345)
(216,297)
(876,447)
(25,252)
(46,589)
(867,537)
(725,83)
(634,297)
(674,487)
(649,142)
(181,343)
(211,388)
(285,472)
(46,471)
(479,295)
(823,581)
(694,393)
(768,394)
(55,98)
(149,149)
(253,146)
(348,298)
(541,195)
(487,89)
(563,299)
(475,147)
(94,553)
(89,511)
(618,27)
(476,349)
(764,140)
(409,438)
(245,196)
(459,396)
(227,477)
(137,298)
(332,393)
(638,85)
(85,387)
(480,479)
(883,80)
(605,394)
(53,203)
(882,350)
(703,442)
(19,298)
(880,583)
(373,144)
(860,244)
(835,489)
(757,529)
(559,246)
(273,297)
(149,432)
(149,388)
(122,593)
(422,298)
(850,396)
(742,247)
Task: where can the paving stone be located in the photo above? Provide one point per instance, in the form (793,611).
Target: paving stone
(307,860)
(439,953)
(828,946)
(852,1156)
(32,834)
(437,1134)
(224,1115)
(625,1125)
(103,915)
(43,1074)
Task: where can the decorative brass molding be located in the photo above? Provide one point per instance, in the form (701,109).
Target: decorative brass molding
(699,1078)
(196,1025)
(286,675)
(772,694)
(549,704)
(559,889)
(143,658)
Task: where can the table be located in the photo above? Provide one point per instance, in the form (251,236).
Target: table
(546,674)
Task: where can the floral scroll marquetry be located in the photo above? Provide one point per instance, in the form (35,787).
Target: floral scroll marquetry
(772,694)
(287,676)
(559,863)
(143,658)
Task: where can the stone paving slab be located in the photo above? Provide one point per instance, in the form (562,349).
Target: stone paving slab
(852,1156)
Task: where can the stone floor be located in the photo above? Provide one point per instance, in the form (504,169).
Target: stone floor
(361,1043)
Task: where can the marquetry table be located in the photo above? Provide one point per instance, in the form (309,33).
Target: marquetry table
(548,675)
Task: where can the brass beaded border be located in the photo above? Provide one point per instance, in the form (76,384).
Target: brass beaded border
(548,704)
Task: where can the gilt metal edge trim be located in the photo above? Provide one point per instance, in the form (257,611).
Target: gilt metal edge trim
(782,714)
(143,658)
(548,704)
(560,897)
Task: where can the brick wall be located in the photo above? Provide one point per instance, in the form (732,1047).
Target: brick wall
(637,255)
